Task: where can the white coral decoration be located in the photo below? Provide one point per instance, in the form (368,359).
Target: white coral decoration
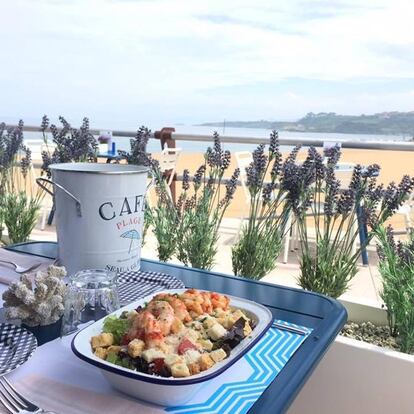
(38,303)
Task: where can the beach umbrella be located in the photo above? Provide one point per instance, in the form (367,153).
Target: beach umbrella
(131,234)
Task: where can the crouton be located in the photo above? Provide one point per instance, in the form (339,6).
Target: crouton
(206,344)
(103,340)
(247,329)
(114,348)
(227,321)
(180,370)
(191,356)
(150,354)
(209,322)
(205,362)
(172,359)
(135,348)
(101,353)
(218,355)
(216,332)
(194,368)
(239,314)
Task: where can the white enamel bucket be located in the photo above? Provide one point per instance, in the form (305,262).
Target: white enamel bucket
(99,215)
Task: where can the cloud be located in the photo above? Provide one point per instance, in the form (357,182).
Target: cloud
(181,58)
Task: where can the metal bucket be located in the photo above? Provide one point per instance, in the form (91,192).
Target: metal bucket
(99,215)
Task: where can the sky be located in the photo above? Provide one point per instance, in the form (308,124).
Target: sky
(158,62)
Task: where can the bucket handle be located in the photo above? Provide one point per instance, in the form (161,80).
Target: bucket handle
(39,182)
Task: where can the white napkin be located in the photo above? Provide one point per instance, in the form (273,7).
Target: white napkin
(66,399)
(7,273)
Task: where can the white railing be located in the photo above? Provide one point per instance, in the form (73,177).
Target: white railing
(368,145)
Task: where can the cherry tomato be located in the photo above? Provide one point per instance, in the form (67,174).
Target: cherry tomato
(156,365)
(185,345)
(125,340)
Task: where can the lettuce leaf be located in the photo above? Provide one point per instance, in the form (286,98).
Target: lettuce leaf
(114,358)
(117,327)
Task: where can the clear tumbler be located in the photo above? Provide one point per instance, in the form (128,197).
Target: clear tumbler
(92,294)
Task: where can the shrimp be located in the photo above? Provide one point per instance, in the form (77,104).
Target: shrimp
(199,302)
(145,327)
(219,301)
(193,301)
(207,305)
(180,310)
(163,313)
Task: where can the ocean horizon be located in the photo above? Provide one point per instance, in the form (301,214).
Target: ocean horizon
(190,146)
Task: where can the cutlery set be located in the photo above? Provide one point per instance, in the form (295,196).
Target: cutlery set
(15,403)
(21,269)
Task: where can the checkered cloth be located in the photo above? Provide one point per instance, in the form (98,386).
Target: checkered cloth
(16,347)
(136,285)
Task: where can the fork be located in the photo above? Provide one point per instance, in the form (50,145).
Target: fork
(21,269)
(16,403)
(293,329)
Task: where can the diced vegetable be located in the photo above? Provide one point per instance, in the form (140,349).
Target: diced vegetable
(117,327)
(120,359)
(112,357)
(185,345)
(141,365)
(156,366)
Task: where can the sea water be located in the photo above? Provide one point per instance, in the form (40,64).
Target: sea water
(123,143)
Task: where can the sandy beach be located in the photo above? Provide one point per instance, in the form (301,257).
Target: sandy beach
(394,164)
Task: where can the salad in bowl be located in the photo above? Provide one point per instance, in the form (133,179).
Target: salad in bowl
(174,335)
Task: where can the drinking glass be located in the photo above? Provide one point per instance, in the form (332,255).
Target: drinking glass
(92,294)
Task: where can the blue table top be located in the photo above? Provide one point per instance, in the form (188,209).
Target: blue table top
(325,315)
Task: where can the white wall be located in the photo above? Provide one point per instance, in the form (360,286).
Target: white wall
(355,377)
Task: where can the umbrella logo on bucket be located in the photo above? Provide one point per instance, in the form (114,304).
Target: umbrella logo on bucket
(124,216)
(132,235)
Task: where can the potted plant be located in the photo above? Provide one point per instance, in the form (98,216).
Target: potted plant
(188,229)
(19,201)
(38,304)
(202,207)
(376,347)
(163,215)
(337,214)
(260,241)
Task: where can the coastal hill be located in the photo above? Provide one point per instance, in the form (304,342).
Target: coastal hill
(385,123)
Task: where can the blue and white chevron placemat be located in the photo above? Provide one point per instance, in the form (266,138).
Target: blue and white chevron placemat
(238,388)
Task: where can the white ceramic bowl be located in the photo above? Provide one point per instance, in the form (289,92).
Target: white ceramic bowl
(168,391)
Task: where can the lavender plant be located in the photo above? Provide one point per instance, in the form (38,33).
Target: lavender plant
(255,254)
(201,209)
(328,262)
(71,144)
(19,200)
(396,267)
(20,214)
(138,154)
(163,216)
(11,144)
